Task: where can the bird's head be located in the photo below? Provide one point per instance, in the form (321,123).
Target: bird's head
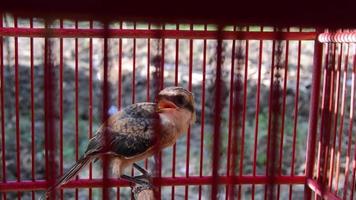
(176,99)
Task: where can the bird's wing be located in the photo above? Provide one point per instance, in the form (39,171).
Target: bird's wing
(137,110)
(128,138)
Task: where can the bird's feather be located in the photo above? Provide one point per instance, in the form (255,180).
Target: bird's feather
(82,162)
(128,133)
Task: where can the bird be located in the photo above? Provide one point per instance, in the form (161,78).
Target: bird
(137,132)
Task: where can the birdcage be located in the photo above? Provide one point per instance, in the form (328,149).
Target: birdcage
(274,104)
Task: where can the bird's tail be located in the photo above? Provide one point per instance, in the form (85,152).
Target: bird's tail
(82,162)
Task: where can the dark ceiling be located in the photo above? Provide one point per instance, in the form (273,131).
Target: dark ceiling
(333,14)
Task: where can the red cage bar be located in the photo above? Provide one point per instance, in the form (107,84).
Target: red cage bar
(232,71)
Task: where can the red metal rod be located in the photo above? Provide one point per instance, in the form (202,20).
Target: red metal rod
(76,104)
(133,82)
(342,111)
(162,62)
(2,88)
(335,115)
(285,79)
(295,125)
(326,133)
(90,102)
(228,157)
(244,114)
(217,120)
(323,100)
(202,117)
(119,103)
(134,68)
(119,86)
(269,116)
(348,151)
(354,159)
(50,114)
(17,93)
(148,68)
(171,34)
(189,131)
(321,191)
(174,151)
(148,75)
(32,113)
(257,116)
(274,119)
(45,113)
(105,106)
(330,116)
(18,139)
(165,181)
(61,106)
(325,124)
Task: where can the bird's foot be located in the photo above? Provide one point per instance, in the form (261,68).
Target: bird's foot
(142,170)
(145,174)
(134,180)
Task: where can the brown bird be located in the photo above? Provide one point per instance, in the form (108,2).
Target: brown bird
(131,134)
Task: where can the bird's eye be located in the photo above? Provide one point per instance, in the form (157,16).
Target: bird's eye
(180,100)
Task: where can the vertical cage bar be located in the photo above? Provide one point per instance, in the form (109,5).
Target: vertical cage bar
(324,117)
(162,60)
(119,84)
(348,151)
(354,159)
(188,132)
(32,112)
(353,101)
(148,70)
(230,121)
(257,107)
(217,121)
(313,115)
(76,104)
(105,106)
(329,119)
(61,105)
(202,117)
(326,123)
(134,67)
(174,151)
(133,82)
(342,113)
(323,100)
(3,135)
(335,114)
(244,115)
(162,63)
(45,114)
(119,87)
(148,75)
(274,118)
(90,135)
(269,117)
(283,116)
(158,61)
(50,111)
(17,93)
(295,123)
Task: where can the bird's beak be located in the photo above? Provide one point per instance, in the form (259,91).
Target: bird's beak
(166,105)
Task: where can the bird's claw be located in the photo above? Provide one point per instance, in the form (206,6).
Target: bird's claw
(142,170)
